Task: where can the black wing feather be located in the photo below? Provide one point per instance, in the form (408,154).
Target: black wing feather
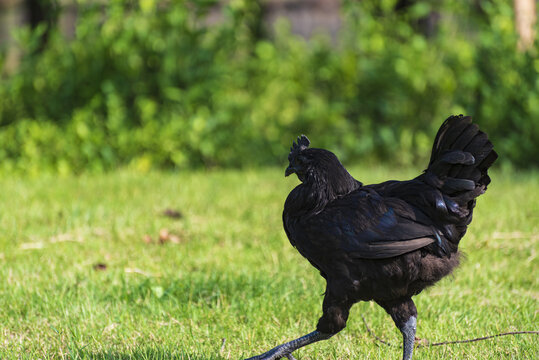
(362,225)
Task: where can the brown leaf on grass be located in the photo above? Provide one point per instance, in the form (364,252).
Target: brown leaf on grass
(100,267)
(147,239)
(175,239)
(171,213)
(166,236)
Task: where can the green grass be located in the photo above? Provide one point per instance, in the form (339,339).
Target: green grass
(233,275)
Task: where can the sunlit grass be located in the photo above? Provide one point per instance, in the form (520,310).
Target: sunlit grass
(233,275)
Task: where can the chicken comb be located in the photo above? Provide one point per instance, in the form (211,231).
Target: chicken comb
(302,144)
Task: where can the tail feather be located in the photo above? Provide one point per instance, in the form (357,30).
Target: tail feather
(465,137)
(445,138)
(458,169)
(485,164)
(480,147)
(459,138)
(445,194)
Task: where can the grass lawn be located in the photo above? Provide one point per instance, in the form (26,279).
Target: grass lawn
(81,280)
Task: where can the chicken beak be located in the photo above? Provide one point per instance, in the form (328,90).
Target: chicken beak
(289,170)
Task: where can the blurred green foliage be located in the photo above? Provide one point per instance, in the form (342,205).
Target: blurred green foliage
(154,86)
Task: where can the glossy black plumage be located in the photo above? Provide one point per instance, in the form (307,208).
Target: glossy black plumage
(384,242)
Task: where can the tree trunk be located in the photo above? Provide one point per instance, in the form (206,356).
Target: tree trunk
(525,18)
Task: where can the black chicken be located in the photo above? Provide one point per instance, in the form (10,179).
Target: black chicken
(383,242)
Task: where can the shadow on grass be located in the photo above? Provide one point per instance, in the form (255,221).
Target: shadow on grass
(145,354)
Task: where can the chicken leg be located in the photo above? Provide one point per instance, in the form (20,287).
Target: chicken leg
(286,349)
(404,314)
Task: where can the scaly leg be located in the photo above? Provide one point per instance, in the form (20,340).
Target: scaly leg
(332,321)
(408,337)
(286,349)
(404,314)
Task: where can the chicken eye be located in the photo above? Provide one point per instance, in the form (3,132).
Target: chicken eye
(300,160)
